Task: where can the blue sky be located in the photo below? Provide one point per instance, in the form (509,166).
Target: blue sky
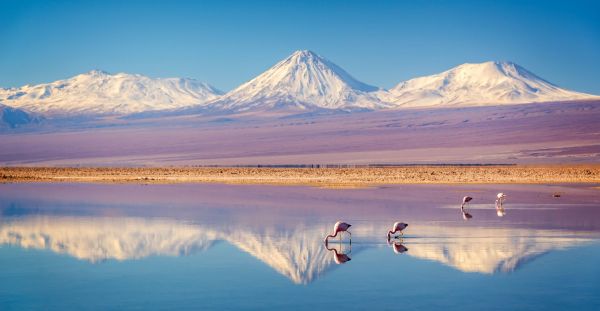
(226,43)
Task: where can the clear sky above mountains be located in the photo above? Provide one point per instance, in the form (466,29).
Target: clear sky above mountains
(227,43)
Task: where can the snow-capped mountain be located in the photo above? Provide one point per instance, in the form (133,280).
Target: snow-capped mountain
(477,85)
(302,81)
(98,92)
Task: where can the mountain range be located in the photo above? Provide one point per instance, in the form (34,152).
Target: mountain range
(302,82)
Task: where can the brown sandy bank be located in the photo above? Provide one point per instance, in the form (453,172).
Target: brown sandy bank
(326,177)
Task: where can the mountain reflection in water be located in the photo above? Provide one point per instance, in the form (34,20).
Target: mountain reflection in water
(297,252)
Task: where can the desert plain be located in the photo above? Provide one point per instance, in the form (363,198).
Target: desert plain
(321,176)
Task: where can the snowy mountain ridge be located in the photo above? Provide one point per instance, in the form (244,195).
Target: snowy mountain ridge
(98,92)
(479,84)
(304,81)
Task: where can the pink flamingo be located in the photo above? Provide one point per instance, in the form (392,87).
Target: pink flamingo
(397,227)
(466,216)
(500,199)
(499,202)
(337,228)
(465,201)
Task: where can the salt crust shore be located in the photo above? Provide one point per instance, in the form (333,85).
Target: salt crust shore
(321,177)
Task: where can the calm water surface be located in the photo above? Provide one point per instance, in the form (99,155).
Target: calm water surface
(204,247)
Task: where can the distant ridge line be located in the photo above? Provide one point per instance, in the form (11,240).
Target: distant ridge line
(375,165)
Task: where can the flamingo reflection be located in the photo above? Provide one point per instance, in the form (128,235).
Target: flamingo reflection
(397,246)
(338,256)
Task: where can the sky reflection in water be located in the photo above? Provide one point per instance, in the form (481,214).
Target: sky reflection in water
(216,247)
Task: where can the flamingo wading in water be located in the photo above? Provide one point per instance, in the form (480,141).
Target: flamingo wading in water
(466,216)
(500,199)
(499,202)
(397,227)
(339,226)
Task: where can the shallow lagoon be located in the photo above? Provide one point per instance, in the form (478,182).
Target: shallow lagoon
(86,246)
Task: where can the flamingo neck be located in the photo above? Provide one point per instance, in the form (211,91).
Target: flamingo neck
(389,235)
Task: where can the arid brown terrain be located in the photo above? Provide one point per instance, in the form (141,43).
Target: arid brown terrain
(328,177)
(540,133)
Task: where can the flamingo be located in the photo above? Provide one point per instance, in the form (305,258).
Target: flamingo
(337,228)
(465,201)
(499,201)
(500,198)
(466,216)
(397,227)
